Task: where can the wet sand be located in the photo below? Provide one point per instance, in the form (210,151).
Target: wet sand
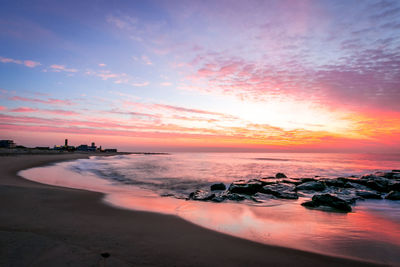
(42,225)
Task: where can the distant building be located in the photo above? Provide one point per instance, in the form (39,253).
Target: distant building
(7,144)
(91,148)
(82,148)
(66,143)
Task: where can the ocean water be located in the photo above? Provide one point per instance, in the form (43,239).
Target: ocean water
(161,183)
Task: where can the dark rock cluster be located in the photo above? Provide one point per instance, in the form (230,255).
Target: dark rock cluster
(336,194)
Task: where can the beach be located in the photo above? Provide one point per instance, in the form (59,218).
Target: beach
(45,225)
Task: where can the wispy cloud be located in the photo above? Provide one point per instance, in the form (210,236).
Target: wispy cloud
(45,111)
(51,101)
(140,84)
(165,84)
(24,109)
(59,68)
(146,60)
(27,63)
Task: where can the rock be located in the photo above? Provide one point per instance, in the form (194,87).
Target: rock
(388,175)
(291,181)
(281,191)
(249,188)
(305,180)
(368,195)
(369,177)
(218,198)
(356,186)
(394,186)
(314,186)
(393,195)
(379,184)
(219,186)
(235,197)
(328,200)
(335,182)
(201,195)
(267,181)
(280,175)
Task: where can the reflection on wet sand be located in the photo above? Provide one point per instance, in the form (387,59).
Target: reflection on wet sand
(360,234)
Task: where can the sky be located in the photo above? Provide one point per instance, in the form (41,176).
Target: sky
(262,76)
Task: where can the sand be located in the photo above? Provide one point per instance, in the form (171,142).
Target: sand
(42,225)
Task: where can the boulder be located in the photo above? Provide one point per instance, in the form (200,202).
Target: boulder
(388,175)
(328,200)
(305,180)
(267,181)
(249,188)
(280,175)
(219,186)
(393,195)
(312,186)
(356,186)
(394,186)
(235,197)
(379,184)
(369,177)
(281,191)
(335,182)
(201,195)
(368,195)
(291,181)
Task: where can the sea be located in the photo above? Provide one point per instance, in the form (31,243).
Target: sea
(162,183)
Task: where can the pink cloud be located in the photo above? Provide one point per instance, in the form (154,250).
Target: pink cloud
(59,112)
(10,60)
(2,108)
(183,109)
(27,63)
(31,64)
(106,76)
(165,84)
(45,111)
(51,101)
(58,68)
(24,109)
(140,84)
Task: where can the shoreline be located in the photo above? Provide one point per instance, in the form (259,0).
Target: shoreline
(44,223)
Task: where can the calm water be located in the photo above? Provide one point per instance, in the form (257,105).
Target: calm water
(371,231)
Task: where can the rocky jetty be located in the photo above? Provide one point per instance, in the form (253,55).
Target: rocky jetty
(336,194)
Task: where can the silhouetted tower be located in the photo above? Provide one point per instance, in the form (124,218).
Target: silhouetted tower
(66,142)
(93,145)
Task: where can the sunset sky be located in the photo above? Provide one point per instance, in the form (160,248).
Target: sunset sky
(202,75)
